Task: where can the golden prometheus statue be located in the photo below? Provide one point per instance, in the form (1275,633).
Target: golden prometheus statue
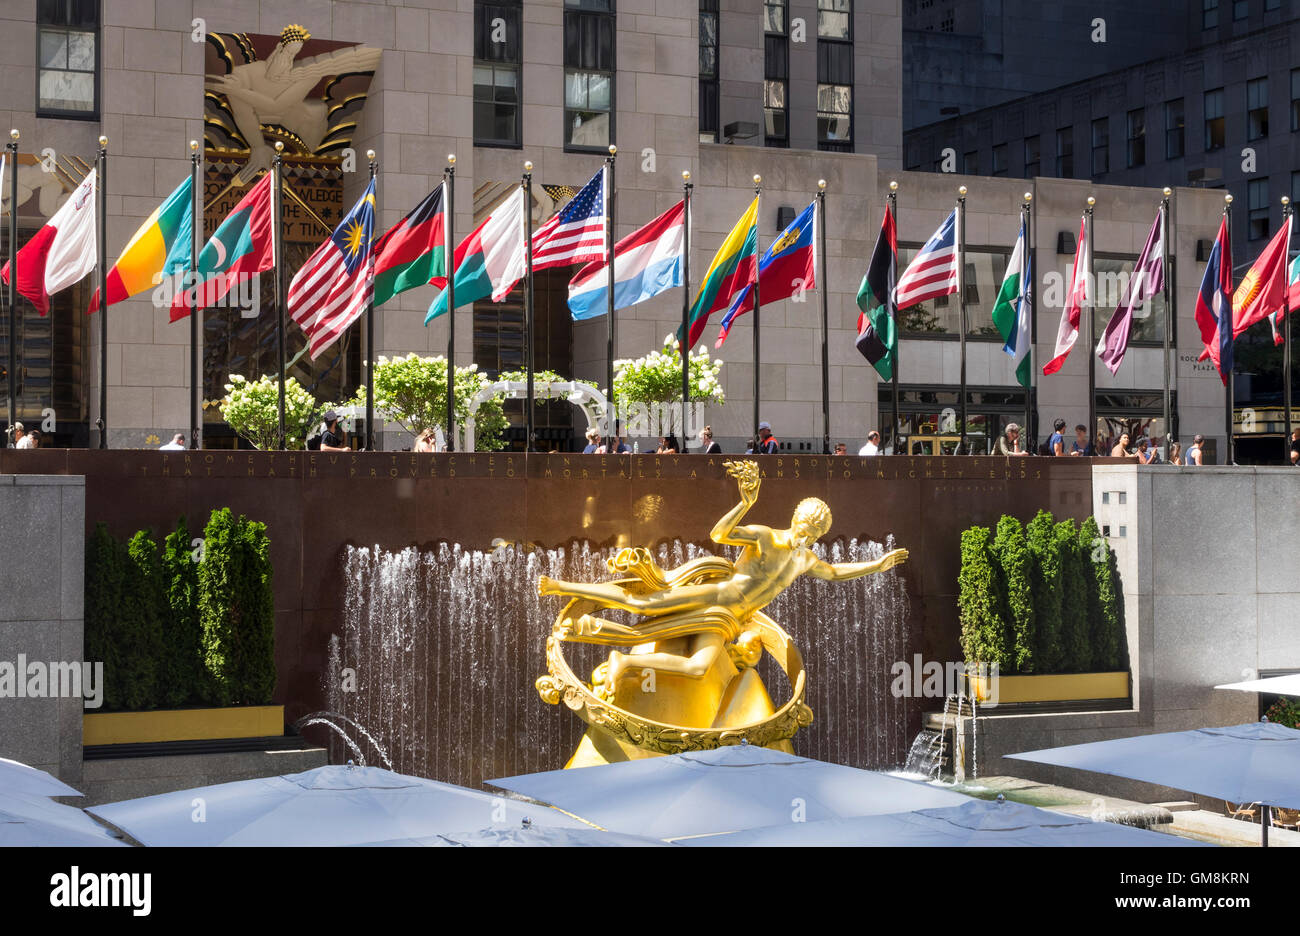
(688,681)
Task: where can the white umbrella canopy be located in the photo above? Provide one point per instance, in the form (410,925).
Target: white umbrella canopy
(16,777)
(1258,762)
(526,835)
(723,790)
(976,823)
(1288,685)
(332,805)
(33,820)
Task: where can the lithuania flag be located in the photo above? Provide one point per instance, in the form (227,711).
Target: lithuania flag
(413,251)
(160,246)
(734,267)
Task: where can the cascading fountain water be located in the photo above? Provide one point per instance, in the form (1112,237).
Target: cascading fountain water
(442,647)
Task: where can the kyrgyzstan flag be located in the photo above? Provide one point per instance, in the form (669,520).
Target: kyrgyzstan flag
(1262,290)
(62,252)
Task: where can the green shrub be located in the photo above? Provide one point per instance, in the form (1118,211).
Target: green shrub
(103,587)
(257,616)
(1011,552)
(1109,649)
(237,611)
(139,630)
(980,602)
(1285,712)
(1048,591)
(1076,650)
(181,668)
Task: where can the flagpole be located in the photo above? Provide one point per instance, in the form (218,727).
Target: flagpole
(528,303)
(370,336)
(1027,291)
(686,294)
(898,340)
(961,304)
(101,209)
(1168,329)
(12,147)
(1230,415)
(758,188)
(1090,289)
(1286,341)
(449,262)
(609,267)
(196,228)
(277,234)
(821,283)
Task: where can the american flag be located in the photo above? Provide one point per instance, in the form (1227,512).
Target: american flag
(334,286)
(933,272)
(576,234)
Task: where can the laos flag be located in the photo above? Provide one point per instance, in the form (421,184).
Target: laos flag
(1214,304)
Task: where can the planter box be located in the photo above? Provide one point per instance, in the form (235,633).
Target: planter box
(1058,687)
(199,724)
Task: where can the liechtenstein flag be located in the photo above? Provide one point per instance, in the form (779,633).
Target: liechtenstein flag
(1214,304)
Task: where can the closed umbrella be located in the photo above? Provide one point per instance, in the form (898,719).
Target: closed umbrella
(33,820)
(333,805)
(19,778)
(1258,762)
(723,790)
(975,823)
(1288,685)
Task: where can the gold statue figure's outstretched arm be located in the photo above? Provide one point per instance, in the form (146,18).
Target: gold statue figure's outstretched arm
(726,531)
(852,570)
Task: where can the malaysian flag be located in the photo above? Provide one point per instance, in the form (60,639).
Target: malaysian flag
(933,272)
(334,286)
(576,234)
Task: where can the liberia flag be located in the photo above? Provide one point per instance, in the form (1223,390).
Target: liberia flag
(1080,295)
(60,253)
(336,283)
(576,234)
(1214,304)
(933,272)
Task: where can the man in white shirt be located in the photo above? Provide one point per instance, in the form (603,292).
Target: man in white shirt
(22,438)
(177,444)
(873,444)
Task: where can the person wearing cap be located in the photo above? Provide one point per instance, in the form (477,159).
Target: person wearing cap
(21,439)
(333,438)
(767,443)
(1009,442)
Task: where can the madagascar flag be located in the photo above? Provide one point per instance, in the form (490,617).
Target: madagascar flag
(242,246)
(160,246)
(733,268)
(413,251)
(878,320)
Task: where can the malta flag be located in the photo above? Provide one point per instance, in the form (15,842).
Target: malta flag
(787,268)
(242,246)
(646,263)
(60,253)
(1214,304)
(490,260)
(1080,295)
(1262,291)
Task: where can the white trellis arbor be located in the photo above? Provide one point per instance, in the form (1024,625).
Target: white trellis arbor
(583,395)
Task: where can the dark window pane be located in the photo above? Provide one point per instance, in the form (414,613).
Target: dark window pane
(835,63)
(776,57)
(496,44)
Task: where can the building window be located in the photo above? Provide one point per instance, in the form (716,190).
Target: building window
(497,58)
(1271,5)
(1240,9)
(709,71)
(834,76)
(1137,138)
(1100,145)
(776,75)
(1295,188)
(1214,137)
(67,48)
(1257,205)
(985,268)
(1065,153)
(1174,126)
(834,19)
(1000,163)
(1032,156)
(1209,14)
(588,74)
(1257,109)
(1113,274)
(971,162)
(1295,99)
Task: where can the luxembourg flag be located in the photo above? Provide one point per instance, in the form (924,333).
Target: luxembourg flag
(62,252)
(646,263)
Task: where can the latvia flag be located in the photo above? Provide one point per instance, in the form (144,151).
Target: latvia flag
(62,252)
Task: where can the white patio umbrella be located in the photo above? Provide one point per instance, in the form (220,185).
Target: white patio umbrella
(333,805)
(16,777)
(1277,685)
(528,835)
(723,790)
(33,820)
(974,823)
(1258,762)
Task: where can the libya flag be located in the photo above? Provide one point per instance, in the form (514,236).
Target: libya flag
(1011,311)
(413,251)
(878,321)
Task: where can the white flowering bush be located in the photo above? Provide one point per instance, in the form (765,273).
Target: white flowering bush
(657,377)
(252,409)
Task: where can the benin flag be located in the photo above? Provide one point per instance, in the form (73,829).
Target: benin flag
(161,247)
(733,268)
(413,251)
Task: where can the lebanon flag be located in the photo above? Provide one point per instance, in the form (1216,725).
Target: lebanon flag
(62,252)
(1080,295)
(490,260)
(242,246)
(413,251)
